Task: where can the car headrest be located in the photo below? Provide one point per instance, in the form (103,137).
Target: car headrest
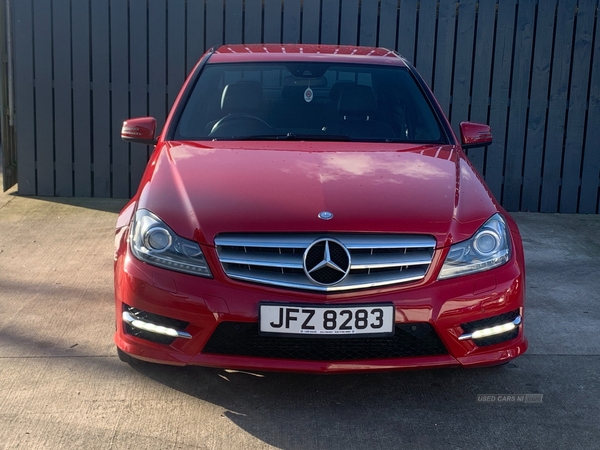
(357,100)
(241,96)
(336,90)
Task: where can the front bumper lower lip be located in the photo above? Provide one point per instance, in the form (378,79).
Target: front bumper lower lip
(492,331)
(153,328)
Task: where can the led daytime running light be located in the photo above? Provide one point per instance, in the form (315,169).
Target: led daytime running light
(153,328)
(492,331)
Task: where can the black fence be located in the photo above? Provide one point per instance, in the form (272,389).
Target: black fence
(8,154)
(529,68)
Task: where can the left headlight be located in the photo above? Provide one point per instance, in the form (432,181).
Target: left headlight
(153,242)
(488,248)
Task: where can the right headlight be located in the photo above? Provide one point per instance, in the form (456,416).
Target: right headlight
(488,248)
(153,242)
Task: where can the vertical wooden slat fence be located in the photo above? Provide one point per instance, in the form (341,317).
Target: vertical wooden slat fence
(24,98)
(557,105)
(81,105)
(63,114)
(481,81)
(529,68)
(536,126)
(8,153)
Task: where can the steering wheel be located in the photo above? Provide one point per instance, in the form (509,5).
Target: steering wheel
(240,125)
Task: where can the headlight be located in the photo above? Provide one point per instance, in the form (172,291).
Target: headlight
(152,241)
(488,248)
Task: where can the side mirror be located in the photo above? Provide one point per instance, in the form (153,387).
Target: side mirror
(140,130)
(475,135)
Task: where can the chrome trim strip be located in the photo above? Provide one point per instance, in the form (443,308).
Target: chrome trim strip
(128,318)
(271,241)
(351,241)
(291,261)
(516,322)
(294,260)
(357,242)
(382,261)
(299,281)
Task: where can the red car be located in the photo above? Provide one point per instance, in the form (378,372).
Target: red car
(309,208)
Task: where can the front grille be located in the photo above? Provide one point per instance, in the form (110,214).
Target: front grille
(156,320)
(242,339)
(500,319)
(278,259)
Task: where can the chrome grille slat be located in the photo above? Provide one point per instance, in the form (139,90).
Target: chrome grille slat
(286,261)
(299,281)
(379,261)
(268,241)
(277,259)
(351,241)
(356,242)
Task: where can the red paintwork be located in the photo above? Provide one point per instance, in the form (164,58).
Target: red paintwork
(371,187)
(475,134)
(139,129)
(204,188)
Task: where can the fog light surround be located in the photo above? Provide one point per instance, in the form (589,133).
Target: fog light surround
(153,328)
(492,331)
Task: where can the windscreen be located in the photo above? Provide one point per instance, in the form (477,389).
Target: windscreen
(316,101)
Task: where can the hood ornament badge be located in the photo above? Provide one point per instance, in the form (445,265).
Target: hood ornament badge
(325,215)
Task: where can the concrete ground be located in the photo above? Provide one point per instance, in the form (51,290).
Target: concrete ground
(62,386)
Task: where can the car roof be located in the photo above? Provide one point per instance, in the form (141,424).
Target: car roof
(306,52)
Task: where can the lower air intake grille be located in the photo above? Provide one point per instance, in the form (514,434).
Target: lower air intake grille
(242,339)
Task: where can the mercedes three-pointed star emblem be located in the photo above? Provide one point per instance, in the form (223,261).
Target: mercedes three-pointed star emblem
(326,262)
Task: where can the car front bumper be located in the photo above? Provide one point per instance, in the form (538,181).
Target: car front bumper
(195,307)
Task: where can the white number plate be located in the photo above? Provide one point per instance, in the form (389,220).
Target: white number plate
(326,320)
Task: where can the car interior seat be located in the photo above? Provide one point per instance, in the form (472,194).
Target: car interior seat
(241,102)
(357,106)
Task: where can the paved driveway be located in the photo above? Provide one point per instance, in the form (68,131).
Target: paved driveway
(61,385)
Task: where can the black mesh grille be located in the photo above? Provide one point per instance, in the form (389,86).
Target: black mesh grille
(327,275)
(242,339)
(156,320)
(500,319)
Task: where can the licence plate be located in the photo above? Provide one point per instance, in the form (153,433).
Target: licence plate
(326,320)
